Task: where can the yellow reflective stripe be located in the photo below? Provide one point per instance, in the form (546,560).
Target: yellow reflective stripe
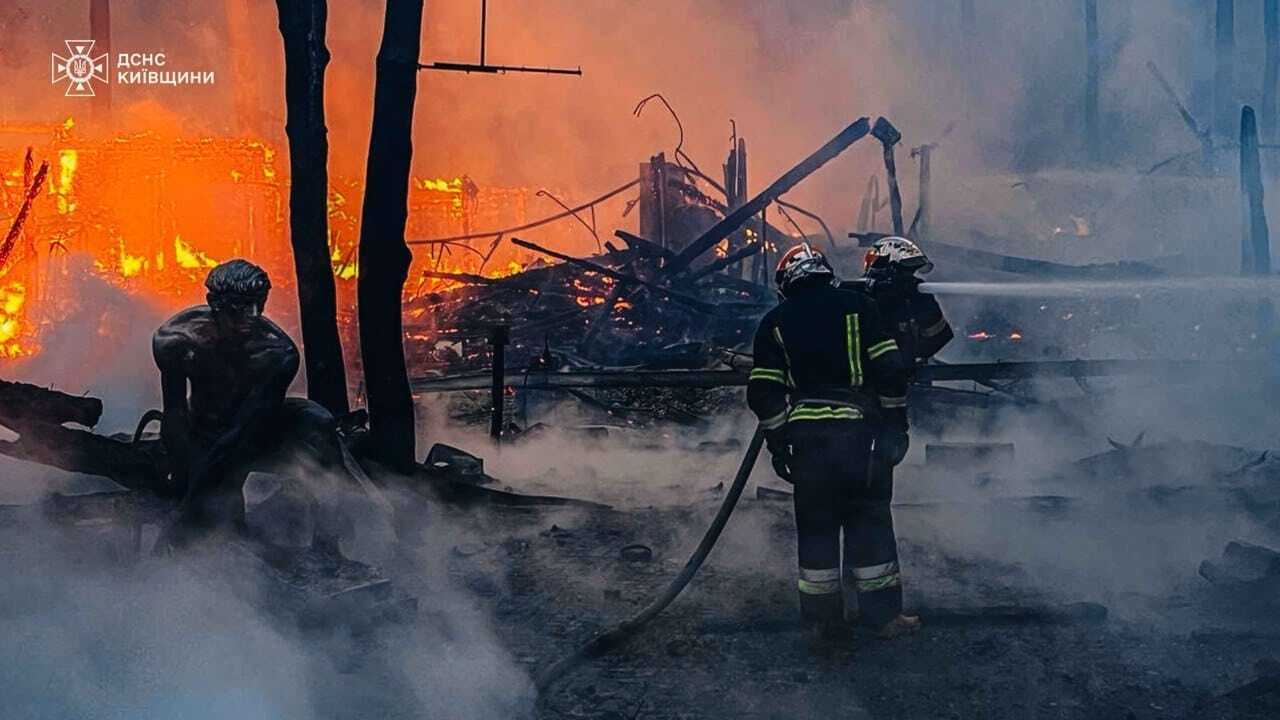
(769,375)
(821,587)
(871,572)
(825,414)
(881,348)
(880,583)
(850,413)
(775,422)
(777,335)
(820,574)
(853,344)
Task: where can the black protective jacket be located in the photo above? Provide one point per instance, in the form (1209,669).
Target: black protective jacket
(912,318)
(823,354)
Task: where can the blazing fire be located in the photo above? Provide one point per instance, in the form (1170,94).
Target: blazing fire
(12,298)
(154,213)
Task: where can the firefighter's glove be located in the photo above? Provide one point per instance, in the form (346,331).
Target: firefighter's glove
(892,445)
(900,285)
(780,449)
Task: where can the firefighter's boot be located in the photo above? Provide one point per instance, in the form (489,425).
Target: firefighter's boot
(899,626)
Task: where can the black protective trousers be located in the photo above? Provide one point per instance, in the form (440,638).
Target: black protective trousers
(838,489)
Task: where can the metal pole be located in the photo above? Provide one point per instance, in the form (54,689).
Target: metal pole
(498,341)
(764,247)
(483,16)
(1093,63)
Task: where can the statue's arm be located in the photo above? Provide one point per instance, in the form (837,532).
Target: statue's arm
(277,367)
(175,427)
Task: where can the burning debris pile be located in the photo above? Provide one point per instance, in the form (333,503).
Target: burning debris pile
(675,299)
(609,310)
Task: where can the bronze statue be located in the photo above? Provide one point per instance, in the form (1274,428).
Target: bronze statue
(236,417)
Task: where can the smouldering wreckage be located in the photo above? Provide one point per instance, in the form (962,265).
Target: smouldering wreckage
(673,310)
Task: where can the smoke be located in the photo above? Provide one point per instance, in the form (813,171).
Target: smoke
(1005,107)
(96,341)
(789,75)
(103,632)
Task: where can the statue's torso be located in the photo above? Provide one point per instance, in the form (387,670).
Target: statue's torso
(224,370)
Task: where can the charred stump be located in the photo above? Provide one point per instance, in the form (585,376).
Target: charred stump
(1093,62)
(1224,68)
(384,256)
(1271,67)
(1255,244)
(302,26)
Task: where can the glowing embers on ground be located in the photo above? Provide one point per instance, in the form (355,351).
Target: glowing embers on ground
(985,335)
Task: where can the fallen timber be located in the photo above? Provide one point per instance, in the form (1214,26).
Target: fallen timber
(978,372)
(752,207)
(37,415)
(691,302)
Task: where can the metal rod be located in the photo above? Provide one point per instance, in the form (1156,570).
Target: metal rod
(498,340)
(483,16)
(738,378)
(764,246)
(498,69)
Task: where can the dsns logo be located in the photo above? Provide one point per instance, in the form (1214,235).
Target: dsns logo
(80,69)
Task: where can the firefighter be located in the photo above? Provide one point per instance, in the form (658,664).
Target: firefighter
(829,388)
(913,318)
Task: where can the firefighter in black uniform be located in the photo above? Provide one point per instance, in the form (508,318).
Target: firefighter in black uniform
(829,387)
(913,318)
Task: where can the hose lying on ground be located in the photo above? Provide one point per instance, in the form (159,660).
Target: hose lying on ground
(604,642)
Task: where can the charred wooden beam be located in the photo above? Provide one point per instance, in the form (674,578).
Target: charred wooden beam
(888,135)
(920,223)
(750,208)
(136,466)
(727,261)
(22,403)
(641,245)
(681,298)
(37,415)
(1204,135)
(15,228)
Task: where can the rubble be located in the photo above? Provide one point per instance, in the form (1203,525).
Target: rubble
(1244,566)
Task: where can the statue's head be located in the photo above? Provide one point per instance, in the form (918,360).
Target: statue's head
(237,292)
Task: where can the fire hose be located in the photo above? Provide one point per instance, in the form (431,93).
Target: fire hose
(606,641)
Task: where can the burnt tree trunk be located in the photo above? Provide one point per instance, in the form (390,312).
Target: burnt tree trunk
(302,25)
(1093,54)
(384,256)
(1271,68)
(1255,246)
(1224,68)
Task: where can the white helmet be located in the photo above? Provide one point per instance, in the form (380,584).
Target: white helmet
(897,253)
